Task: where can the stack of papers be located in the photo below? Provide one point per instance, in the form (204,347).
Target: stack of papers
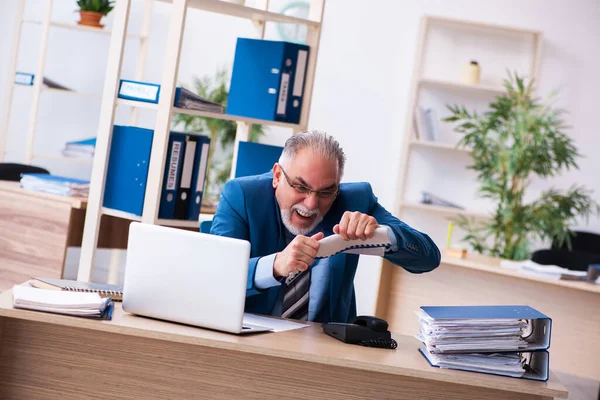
(55,184)
(470,344)
(471,335)
(508,364)
(529,267)
(83,149)
(89,305)
(192,101)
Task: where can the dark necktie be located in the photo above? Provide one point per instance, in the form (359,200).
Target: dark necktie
(295,298)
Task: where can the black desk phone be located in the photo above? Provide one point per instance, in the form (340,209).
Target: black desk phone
(362,330)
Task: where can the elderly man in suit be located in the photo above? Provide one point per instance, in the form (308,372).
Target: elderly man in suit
(285,212)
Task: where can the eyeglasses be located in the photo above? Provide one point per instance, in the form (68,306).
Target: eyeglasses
(322,194)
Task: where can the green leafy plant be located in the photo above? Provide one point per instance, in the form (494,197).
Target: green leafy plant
(221,132)
(101,6)
(519,138)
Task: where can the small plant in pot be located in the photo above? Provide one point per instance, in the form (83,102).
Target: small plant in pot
(92,11)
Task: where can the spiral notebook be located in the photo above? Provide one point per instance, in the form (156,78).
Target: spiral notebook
(103,289)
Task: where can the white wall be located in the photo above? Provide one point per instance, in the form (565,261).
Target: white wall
(361,87)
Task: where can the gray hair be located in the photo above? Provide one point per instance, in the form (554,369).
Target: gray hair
(317,141)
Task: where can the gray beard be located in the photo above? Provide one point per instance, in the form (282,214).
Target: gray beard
(286,218)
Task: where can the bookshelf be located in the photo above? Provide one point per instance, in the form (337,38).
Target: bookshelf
(444,47)
(257,15)
(38,89)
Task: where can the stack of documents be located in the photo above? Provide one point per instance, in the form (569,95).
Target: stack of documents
(55,184)
(529,267)
(88,305)
(191,101)
(502,340)
(83,149)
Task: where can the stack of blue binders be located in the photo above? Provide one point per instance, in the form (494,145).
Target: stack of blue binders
(183,179)
(500,340)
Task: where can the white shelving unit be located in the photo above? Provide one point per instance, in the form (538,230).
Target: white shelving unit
(46,23)
(259,16)
(444,47)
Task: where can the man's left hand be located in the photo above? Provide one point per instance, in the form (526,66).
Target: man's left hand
(356,225)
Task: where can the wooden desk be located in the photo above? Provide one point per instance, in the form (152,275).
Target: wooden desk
(51,356)
(36,229)
(573,306)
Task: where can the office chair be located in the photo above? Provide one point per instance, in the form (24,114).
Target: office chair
(13,171)
(585,250)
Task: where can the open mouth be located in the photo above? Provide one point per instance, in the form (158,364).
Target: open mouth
(304,215)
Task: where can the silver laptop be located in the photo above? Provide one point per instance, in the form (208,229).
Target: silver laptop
(187,277)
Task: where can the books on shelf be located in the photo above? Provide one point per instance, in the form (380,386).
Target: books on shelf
(87,305)
(434,200)
(23,78)
(83,149)
(502,340)
(150,93)
(103,289)
(183,180)
(54,184)
(425,124)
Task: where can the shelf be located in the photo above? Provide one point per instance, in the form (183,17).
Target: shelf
(438,145)
(84,28)
(72,93)
(63,158)
(441,84)
(254,14)
(207,114)
(445,210)
(176,223)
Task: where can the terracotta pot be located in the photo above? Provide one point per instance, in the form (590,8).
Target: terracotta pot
(90,18)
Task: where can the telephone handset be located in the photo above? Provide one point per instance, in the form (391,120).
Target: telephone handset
(363,330)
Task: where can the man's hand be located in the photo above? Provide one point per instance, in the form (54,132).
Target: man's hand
(356,225)
(297,256)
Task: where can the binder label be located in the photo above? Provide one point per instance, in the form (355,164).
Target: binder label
(300,70)
(283,94)
(139,90)
(202,171)
(188,165)
(173,162)
(24,79)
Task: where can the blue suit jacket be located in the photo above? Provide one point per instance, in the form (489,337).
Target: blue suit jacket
(249,210)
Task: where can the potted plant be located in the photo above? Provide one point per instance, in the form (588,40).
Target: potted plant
(92,11)
(518,139)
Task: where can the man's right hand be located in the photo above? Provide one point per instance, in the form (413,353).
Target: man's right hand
(297,256)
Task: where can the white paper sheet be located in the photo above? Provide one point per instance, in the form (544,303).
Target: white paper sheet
(278,325)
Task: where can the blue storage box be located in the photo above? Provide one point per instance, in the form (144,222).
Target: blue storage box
(267,81)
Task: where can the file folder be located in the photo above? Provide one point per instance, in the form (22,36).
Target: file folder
(256,158)
(127,171)
(537,366)
(184,190)
(537,335)
(172,175)
(267,81)
(199,177)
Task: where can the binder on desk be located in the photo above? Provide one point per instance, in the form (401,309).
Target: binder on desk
(172,175)
(184,190)
(525,323)
(199,177)
(532,365)
(500,340)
